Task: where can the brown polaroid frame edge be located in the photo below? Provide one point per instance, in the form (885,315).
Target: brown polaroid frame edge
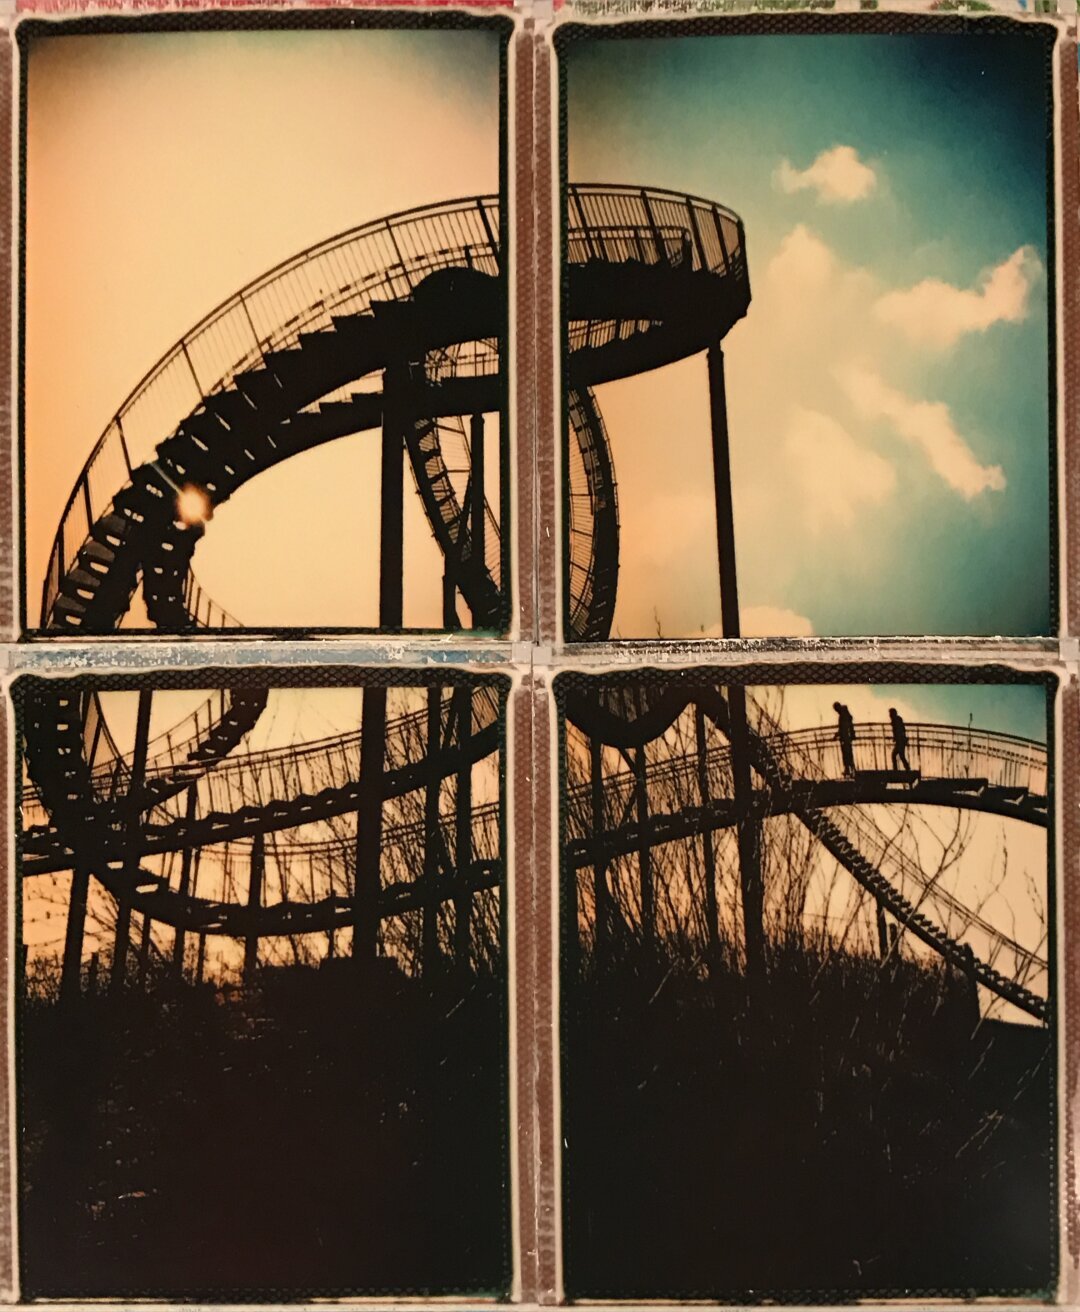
(1068,212)
(530,706)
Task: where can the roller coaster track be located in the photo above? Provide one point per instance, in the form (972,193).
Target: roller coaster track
(276,370)
(651,277)
(800,773)
(269,791)
(280,368)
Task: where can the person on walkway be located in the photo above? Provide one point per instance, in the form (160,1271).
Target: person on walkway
(899,740)
(846,734)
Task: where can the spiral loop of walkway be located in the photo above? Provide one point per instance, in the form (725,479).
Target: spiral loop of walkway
(282,367)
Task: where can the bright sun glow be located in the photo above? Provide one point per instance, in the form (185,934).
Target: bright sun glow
(193,505)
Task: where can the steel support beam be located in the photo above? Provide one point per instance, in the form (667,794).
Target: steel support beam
(144,950)
(884,944)
(748,823)
(186,855)
(451,619)
(476,500)
(463,838)
(133,822)
(71,975)
(369,818)
(712,912)
(429,927)
(601,909)
(391,519)
(255,889)
(641,807)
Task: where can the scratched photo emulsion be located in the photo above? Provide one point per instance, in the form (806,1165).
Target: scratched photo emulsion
(808,299)
(265,311)
(261,987)
(807,965)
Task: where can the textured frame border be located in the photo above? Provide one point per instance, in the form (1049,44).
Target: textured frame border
(532,190)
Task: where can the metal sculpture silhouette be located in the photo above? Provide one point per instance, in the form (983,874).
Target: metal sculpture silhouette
(416,303)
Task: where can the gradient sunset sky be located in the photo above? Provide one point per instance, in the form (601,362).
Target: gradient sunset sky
(165,171)
(888,390)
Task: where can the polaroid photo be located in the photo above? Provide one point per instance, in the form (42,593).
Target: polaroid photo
(264,324)
(808,983)
(261,995)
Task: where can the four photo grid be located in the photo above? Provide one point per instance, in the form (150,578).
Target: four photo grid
(542,699)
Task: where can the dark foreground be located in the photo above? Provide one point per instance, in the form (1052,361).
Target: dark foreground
(851,1137)
(309,1138)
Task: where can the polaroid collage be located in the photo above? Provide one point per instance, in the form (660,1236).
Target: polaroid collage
(540,653)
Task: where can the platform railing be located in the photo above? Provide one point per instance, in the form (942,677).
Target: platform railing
(936,751)
(653,226)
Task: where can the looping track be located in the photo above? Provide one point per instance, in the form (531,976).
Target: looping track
(403,321)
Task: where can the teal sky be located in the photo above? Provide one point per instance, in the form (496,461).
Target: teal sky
(954,130)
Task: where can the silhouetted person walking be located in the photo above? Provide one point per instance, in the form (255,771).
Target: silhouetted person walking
(846,734)
(899,740)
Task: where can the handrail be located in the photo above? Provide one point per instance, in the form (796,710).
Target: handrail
(812,744)
(651,217)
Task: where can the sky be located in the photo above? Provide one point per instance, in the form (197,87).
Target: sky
(888,389)
(1019,709)
(165,172)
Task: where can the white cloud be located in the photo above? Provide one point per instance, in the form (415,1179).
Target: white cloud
(838,176)
(802,263)
(928,425)
(935,313)
(836,476)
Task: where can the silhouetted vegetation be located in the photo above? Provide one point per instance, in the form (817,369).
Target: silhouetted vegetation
(321,1131)
(852,1129)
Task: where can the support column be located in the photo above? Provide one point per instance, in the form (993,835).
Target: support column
(748,837)
(132,825)
(255,888)
(180,937)
(601,907)
(712,911)
(450,617)
(477,503)
(369,827)
(641,807)
(71,976)
(463,836)
(429,929)
(391,519)
(725,518)
(748,822)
